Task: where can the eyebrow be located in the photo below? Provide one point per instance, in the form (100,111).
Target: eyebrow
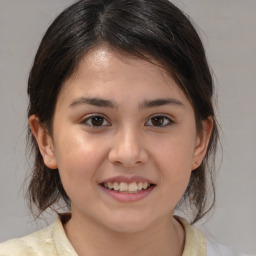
(161,102)
(99,102)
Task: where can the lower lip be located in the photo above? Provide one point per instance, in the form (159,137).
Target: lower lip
(128,197)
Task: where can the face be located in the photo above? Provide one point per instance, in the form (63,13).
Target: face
(124,140)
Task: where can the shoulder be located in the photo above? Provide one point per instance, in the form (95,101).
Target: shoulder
(195,241)
(51,241)
(30,245)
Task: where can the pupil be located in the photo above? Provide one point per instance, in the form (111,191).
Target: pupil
(97,121)
(157,121)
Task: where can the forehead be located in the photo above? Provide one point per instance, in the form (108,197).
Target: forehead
(104,67)
(108,61)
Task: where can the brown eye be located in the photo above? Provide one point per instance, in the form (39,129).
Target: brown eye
(96,121)
(159,121)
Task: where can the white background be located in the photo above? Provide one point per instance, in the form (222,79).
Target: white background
(228,29)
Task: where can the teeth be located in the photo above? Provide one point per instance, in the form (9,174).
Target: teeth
(125,187)
(108,185)
(145,185)
(133,187)
(140,186)
(116,186)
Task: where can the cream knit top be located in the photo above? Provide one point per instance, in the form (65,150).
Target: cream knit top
(52,241)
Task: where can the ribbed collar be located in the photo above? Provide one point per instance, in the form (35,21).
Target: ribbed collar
(195,242)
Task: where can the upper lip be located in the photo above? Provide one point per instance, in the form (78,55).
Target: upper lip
(126,179)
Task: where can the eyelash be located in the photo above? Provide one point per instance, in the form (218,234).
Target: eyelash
(164,121)
(95,116)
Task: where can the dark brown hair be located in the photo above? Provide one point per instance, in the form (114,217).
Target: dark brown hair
(149,29)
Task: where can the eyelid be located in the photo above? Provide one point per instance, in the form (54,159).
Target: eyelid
(170,119)
(90,116)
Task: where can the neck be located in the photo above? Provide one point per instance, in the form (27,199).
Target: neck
(163,238)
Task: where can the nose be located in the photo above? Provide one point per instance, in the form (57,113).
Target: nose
(127,149)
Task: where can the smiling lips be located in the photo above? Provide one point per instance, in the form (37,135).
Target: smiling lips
(132,187)
(127,189)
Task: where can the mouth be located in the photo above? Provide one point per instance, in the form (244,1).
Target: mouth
(128,187)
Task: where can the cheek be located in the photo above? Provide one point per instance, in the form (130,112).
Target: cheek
(173,157)
(175,152)
(78,157)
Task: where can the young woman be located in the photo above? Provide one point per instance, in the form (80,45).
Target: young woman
(123,131)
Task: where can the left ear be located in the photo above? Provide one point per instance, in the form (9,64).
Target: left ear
(202,142)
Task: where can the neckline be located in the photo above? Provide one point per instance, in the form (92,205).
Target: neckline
(195,242)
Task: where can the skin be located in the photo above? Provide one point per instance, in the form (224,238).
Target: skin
(126,142)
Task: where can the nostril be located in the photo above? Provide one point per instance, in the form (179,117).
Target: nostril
(128,151)
(127,160)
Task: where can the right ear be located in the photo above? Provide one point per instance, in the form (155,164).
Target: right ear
(44,142)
